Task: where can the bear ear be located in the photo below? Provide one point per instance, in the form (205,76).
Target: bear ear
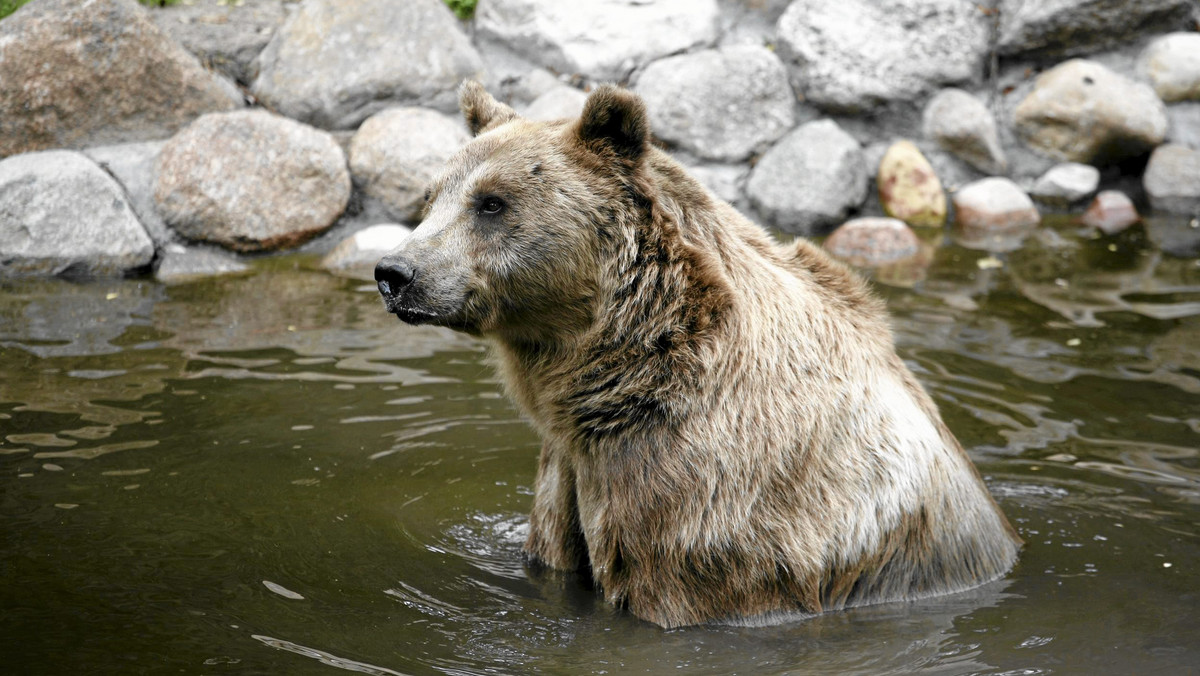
(481,111)
(615,119)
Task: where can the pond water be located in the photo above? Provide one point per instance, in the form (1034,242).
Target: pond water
(268,474)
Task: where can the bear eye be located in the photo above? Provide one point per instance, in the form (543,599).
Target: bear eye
(491,205)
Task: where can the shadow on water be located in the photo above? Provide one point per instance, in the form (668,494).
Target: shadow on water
(268,474)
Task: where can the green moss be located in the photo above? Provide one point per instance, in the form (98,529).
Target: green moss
(464,9)
(9,6)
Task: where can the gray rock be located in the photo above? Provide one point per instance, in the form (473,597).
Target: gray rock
(226,36)
(526,88)
(1069,27)
(77,74)
(251,181)
(357,255)
(561,102)
(61,214)
(873,241)
(1111,212)
(334,63)
(810,179)
(599,39)
(1066,184)
(720,104)
(1172,64)
(1172,179)
(179,264)
(1183,124)
(852,55)
(724,180)
(963,125)
(1080,111)
(397,152)
(132,164)
(1177,236)
(993,214)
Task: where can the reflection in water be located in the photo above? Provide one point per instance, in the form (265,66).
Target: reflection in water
(268,474)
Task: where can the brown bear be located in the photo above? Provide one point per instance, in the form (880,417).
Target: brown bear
(728,432)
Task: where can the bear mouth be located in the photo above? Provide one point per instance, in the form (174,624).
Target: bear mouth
(412,315)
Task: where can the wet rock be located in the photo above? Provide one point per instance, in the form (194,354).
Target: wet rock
(908,187)
(357,255)
(226,36)
(1172,64)
(80,74)
(963,125)
(561,102)
(810,179)
(1183,124)
(724,180)
(1066,184)
(251,181)
(1172,179)
(62,214)
(1081,111)
(132,164)
(851,55)
(869,242)
(334,63)
(397,152)
(1177,236)
(1069,27)
(993,214)
(1111,212)
(720,104)
(601,39)
(179,264)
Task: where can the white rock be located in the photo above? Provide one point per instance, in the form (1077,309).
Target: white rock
(963,125)
(600,39)
(993,214)
(851,55)
(810,179)
(1081,111)
(1172,64)
(62,214)
(397,152)
(1066,184)
(1080,26)
(1183,124)
(561,102)
(357,255)
(334,63)
(1111,212)
(1172,179)
(724,180)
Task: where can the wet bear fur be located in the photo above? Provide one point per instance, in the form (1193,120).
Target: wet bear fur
(728,432)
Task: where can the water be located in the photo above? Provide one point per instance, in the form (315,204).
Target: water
(267,474)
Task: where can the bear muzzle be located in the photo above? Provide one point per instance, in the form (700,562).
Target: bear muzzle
(394,276)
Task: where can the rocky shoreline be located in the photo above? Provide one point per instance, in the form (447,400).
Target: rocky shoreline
(184,139)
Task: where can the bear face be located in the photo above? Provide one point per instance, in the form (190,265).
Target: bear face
(502,248)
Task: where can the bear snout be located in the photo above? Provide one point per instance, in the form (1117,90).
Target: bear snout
(392,275)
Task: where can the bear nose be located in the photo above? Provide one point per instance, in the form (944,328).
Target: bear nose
(393,274)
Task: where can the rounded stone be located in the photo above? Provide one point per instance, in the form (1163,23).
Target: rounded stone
(1172,64)
(868,242)
(397,152)
(558,103)
(1081,111)
(961,124)
(994,214)
(909,188)
(62,214)
(357,255)
(1067,183)
(719,104)
(1111,212)
(810,179)
(1172,179)
(251,181)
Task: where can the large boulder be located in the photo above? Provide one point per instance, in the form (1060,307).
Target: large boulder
(397,152)
(963,125)
(334,63)
(811,179)
(854,54)
(132,164)
(600,39)
(77,74)
(1068,27)
(225,36)
(720,104)
(1172,179)
(1172,64)
(61,214)
(251,181)
(1081,111)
